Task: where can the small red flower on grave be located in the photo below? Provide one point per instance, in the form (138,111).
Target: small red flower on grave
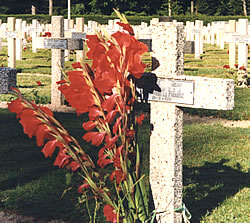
(243,68)
(39,83)
(228,52)
(47,34)
(236,65)
(226,66)
(127,27)
(139,119)
(109,213)
(25,48)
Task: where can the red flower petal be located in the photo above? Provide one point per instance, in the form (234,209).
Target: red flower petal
(102,161)
(85,185)
(139,119)
(74,166)
(76,65)
(94,112)
(95,137)
(42,133)
(109,213)
(49,148)
(126,27)
(62,159)
(88,126)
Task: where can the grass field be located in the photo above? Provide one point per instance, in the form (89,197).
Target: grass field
(215,165)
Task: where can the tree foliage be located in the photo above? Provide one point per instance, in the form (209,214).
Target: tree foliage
(129,7)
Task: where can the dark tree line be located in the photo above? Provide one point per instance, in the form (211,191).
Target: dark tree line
(129,7)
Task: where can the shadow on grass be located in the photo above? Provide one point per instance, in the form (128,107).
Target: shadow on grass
(190,69)
(209,185)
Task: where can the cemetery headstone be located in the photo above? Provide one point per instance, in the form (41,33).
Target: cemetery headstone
(175,90)
(7,79)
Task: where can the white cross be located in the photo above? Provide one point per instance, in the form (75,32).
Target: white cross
(173,90)
(58,44)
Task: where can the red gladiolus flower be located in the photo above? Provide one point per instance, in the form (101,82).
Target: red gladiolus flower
(116,125)
(109,213)
(62,159)
(127,27)
(139,119)
(49,148)
(117,175)
(130,134)
(102,161)
(226,66)
(74,166)
(95,137)
(39,83)
(85,185)
(88,126)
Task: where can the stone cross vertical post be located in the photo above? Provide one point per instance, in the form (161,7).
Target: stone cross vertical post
(166,149)
(19,43)
(221,34)
(57,61)
(243,47)
(80,54)
(66,28)
(11,43)
(232,45)
(167,119)
(198,39)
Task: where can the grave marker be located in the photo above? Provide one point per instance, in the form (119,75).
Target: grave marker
(242,39)
(166,149)
(7,79)
(11,42)
(57,43)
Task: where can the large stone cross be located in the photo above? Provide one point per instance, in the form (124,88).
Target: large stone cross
(174,90)
(58,44)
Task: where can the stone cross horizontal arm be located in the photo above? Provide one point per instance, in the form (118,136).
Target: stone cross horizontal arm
(13,34)
(59,43)
(75,35)
(190,91)
(236,38)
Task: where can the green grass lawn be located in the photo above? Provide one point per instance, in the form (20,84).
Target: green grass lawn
(216,178)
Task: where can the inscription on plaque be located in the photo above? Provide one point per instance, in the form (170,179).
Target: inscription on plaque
(55,44)
(241,39)
(198,31)
(10,35)
(176,91)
